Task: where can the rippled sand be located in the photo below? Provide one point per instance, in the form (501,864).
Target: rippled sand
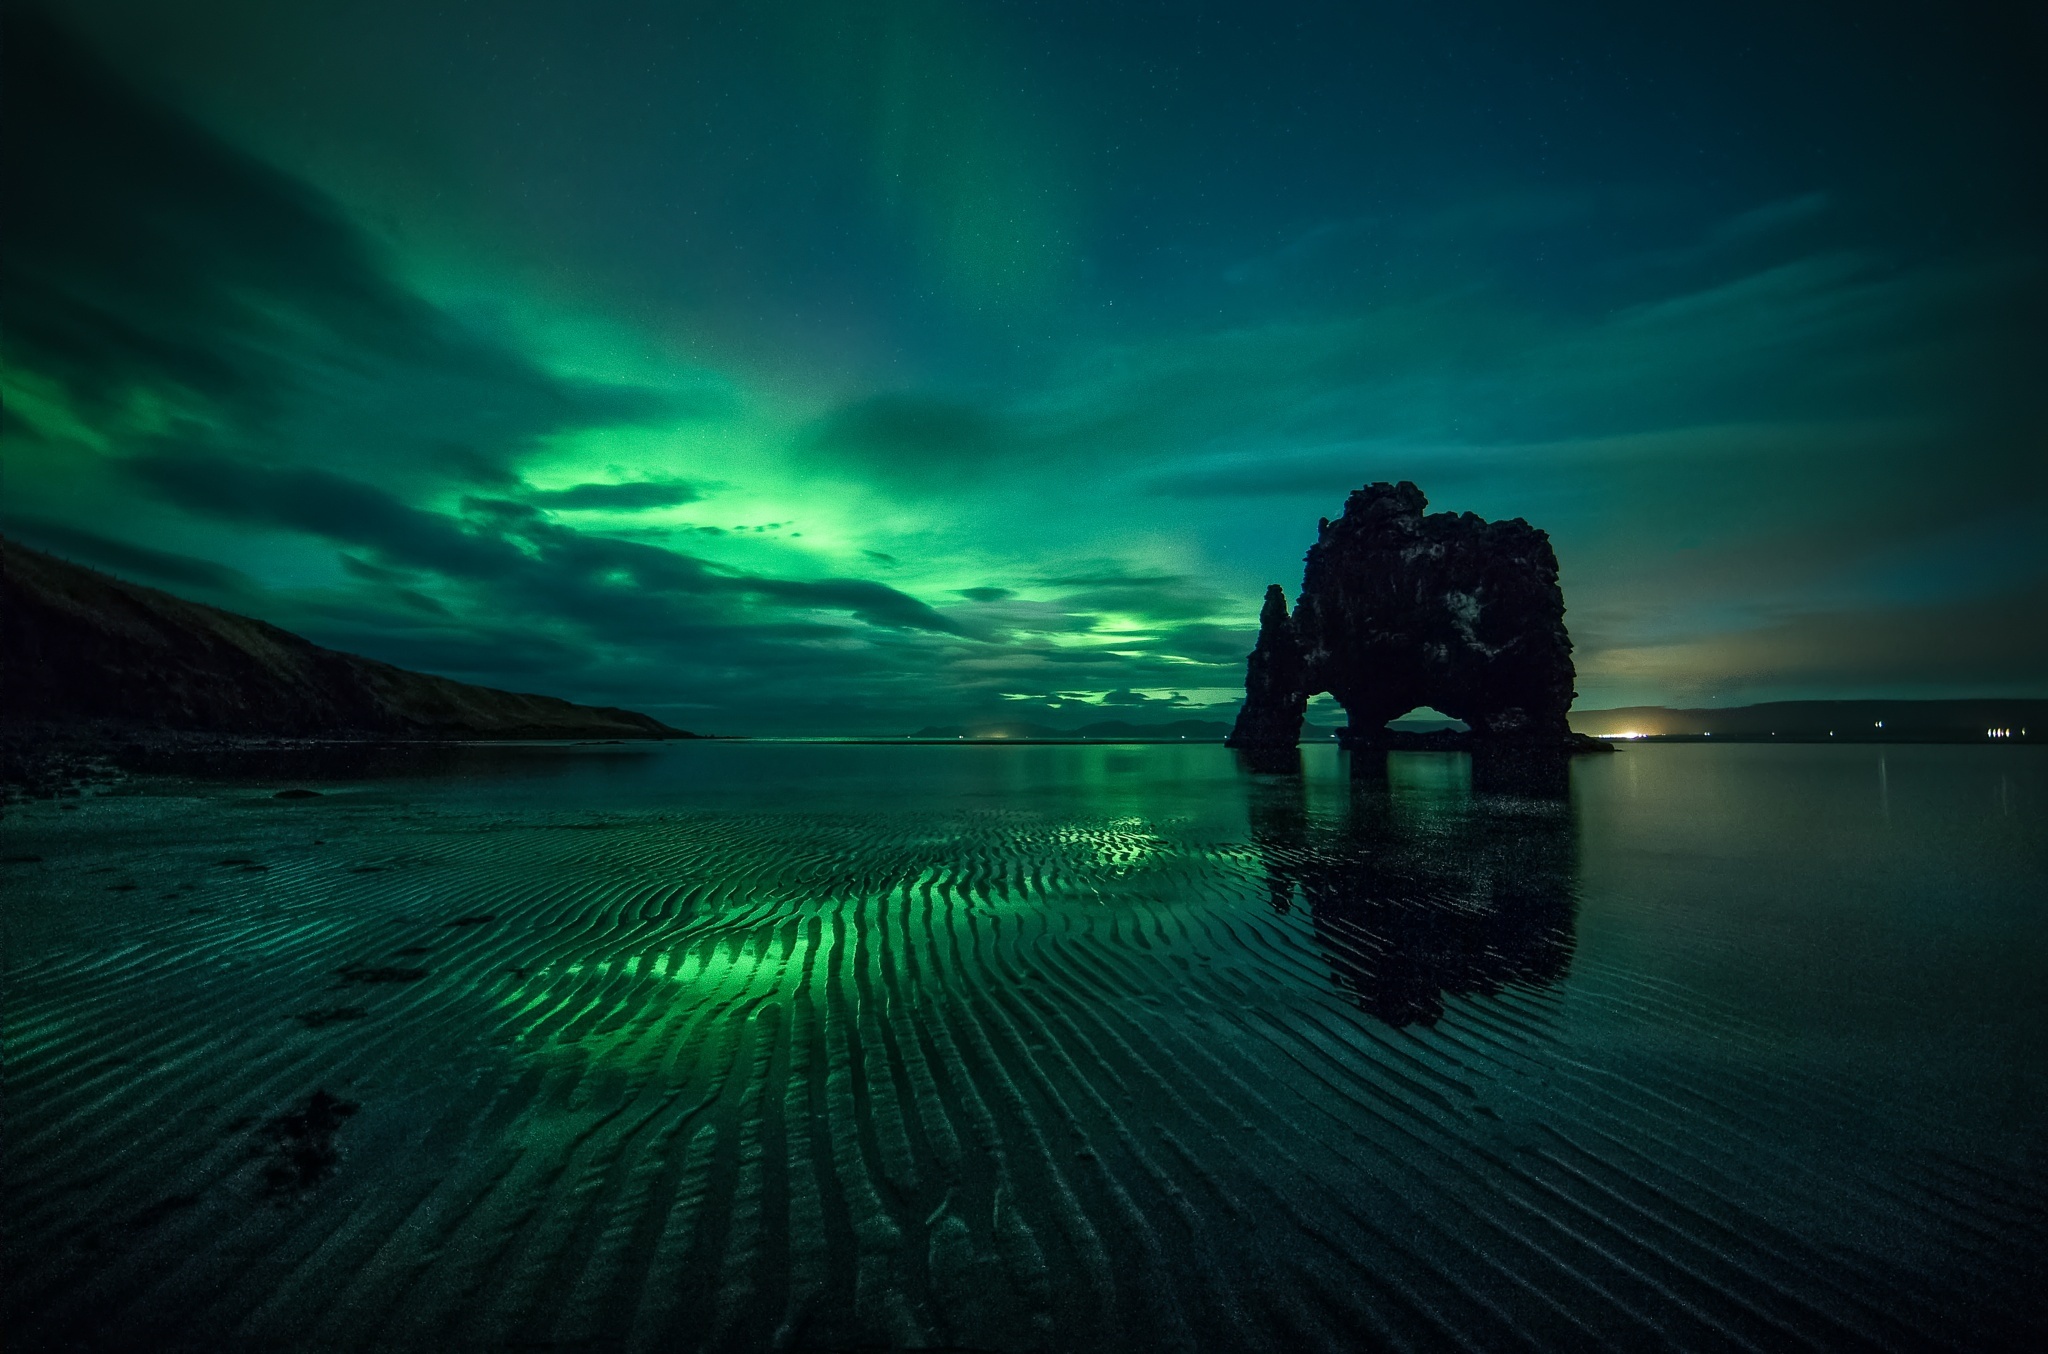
(1093,1049)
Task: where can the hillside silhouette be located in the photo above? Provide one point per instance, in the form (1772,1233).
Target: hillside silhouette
(78,647)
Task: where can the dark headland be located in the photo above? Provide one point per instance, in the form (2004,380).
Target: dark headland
(87,659)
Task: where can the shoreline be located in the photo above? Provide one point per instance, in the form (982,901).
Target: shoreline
(51,763)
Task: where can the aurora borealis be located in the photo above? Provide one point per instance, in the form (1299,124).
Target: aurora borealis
(842,367)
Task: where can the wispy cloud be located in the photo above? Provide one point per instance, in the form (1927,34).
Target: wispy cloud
(154,272)
(628,496)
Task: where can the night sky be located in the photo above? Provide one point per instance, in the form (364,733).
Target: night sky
(847,367)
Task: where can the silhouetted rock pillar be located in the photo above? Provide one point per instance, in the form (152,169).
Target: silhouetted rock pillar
(1401,608)
(1274,698)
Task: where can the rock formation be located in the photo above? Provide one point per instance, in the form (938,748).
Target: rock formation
(1275,681)
(1400,609)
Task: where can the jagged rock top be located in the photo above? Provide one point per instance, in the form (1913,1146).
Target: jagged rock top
(1402,608)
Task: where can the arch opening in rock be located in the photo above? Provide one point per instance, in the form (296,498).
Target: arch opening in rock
(1427,719)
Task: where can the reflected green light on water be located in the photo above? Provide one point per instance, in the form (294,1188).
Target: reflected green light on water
(667,1031)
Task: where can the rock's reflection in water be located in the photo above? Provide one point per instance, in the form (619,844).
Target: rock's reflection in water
(1421,889)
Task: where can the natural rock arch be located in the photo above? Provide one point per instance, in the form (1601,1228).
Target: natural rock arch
(1399,609)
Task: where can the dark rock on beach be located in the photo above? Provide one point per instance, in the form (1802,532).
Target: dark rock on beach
(50,764)
(302,1149)
(1400,609)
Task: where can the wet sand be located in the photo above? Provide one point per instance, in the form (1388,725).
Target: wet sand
(1103,1049)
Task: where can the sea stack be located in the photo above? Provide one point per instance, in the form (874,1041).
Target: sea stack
(1400,608)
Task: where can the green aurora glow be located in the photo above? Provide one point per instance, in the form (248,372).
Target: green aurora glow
(848,367)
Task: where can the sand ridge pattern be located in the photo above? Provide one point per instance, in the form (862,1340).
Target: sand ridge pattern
(974,1080)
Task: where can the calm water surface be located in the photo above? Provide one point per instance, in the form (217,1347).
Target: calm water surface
(735,1046)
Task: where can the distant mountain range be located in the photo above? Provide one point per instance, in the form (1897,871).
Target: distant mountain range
(1902,721)
(1861,721)
(81,647)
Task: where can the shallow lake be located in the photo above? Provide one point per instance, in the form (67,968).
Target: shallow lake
(752,1045)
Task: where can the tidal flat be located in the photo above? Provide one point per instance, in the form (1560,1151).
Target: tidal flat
(733,1046)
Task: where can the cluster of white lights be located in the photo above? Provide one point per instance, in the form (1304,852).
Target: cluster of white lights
(1624,735)
(2002,733)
